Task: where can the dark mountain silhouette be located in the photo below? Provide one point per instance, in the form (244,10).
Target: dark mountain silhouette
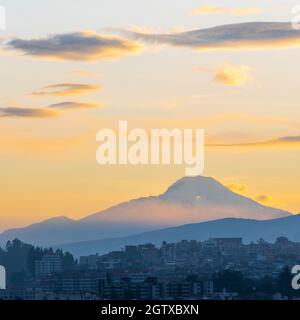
(249,230)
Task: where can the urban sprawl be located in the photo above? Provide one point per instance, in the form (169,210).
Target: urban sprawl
(219,269)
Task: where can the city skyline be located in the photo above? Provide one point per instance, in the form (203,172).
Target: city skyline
(213,269)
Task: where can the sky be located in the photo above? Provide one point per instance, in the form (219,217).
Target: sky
(70,68)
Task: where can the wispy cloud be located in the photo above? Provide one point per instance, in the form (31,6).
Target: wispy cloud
(237,187)
(253,35)
(27,112)
(288,141)
(263,198)
(233,11)
(74,105)
(231,75)
(67,89)
(50,111)
(86,46)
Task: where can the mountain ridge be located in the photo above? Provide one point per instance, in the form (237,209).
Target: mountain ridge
(188,200)
(249,230)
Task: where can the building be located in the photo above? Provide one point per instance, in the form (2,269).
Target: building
(139,277)
(38,294)
(50,263)
(89,262)
(7,295)
(73,281)
(168,252)
(148,252)
(131,252)
(224,243)
(208,288)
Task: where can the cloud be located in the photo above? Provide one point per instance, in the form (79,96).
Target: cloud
(47,112)
(74,105)
(263,198)
(79,46)
(289,139)
(285,141)
(252,35)
(231,75)
(67,89)
(237,187)
(214,9)
(27,112)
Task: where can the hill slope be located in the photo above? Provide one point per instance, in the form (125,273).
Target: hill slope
(249,230)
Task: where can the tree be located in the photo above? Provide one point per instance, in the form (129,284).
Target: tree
(233,281)
(19,260)
(34,254)
(68,261)
(266,285)
(284,282)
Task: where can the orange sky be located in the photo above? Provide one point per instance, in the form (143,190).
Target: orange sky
(53,104)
